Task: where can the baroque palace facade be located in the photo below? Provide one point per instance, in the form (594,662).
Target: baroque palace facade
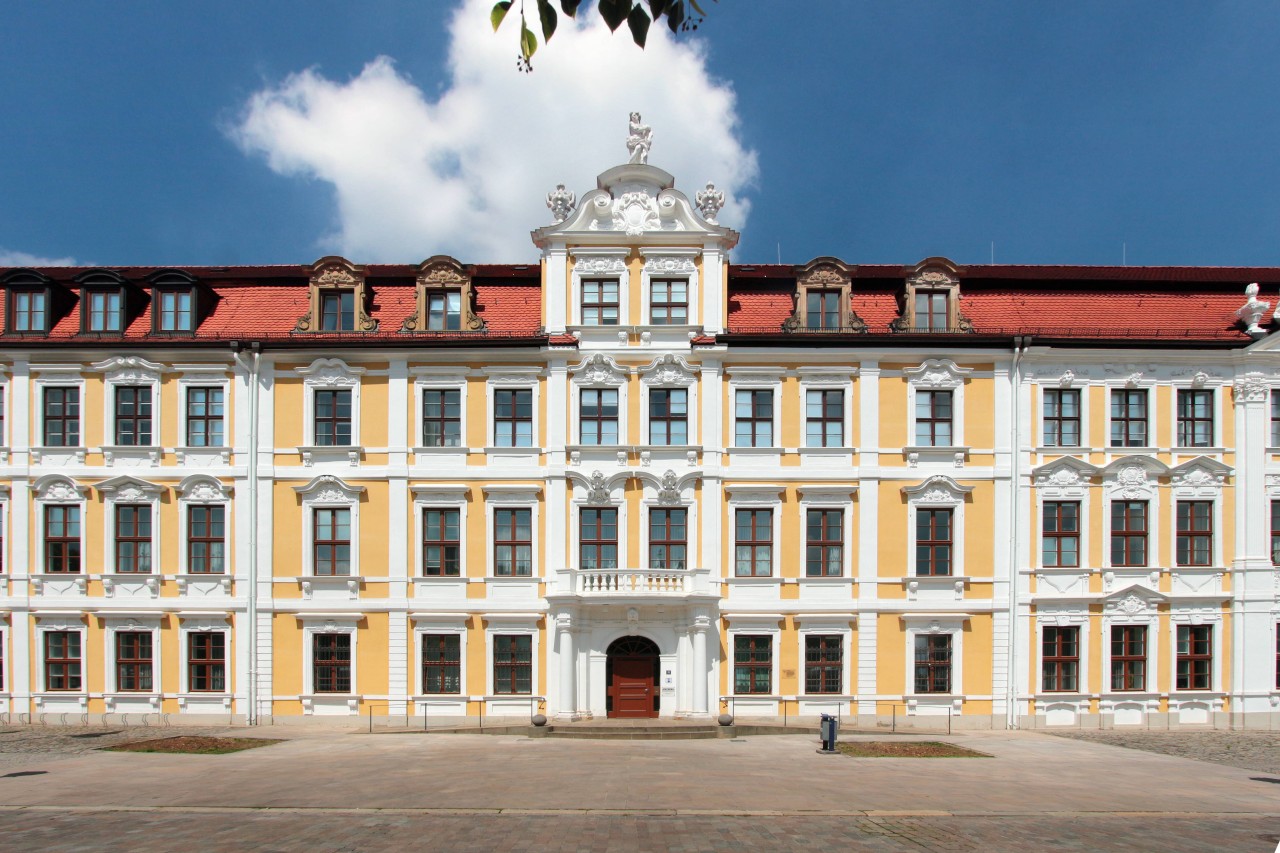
(634,479)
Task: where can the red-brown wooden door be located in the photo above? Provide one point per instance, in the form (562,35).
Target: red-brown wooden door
(631,688)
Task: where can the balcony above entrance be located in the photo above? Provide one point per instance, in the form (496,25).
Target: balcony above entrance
(617,584)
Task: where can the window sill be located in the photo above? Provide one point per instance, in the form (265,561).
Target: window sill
(312,454)
(203,583)
(203,455)
(437,450)
(345,587)
(131,454)
(956,454)
(58,456)
(60,583)
(1111,448)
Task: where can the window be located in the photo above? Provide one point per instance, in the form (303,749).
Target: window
(206,539)
(822,309)
(444,311)
(933,542)
(598,539)
(338,311)
(2,433)
(668,302)
(333,418)
(753,543)
(133,415)
(1128,533)
(933,418)
(668,416)
(668,538)
(1195,657)
(62,660)
(1060,534)
(133,538)
(1060,659)
(1195,533)
(930,311)
(61,416)
(1275,418)
(205,411)
(933,663)
(1128,657)
(332,541)
(30,311)
(824,419)
(824,543)
(513,542)
(1062,417)
(441,543)
(331,663)
(513,418)
(207,662)
(599,302)
(823,663)
(133,660)
(512,664)
(62,539)
(441,663)
(1128,418)
(175,311)
(105,311)
(1195,418)
(753,418)
(752,664)
(1275,532)
(598,416)
(441,417)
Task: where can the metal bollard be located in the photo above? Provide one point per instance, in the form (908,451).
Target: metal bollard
(829,729)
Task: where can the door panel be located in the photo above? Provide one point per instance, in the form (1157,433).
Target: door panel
(632,687)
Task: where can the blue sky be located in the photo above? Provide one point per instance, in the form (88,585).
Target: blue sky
(876,132)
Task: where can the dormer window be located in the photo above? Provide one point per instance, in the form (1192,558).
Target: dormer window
(822,298)
(444,298)
(338,311)
(176,300)
(338,299)
(29,303)
(104,303)
(931,299)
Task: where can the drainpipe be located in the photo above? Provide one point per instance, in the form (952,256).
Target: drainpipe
(254,367)
(1020,344)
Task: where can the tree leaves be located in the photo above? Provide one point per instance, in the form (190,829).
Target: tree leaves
(638,21)
(612,12)
(547,14)
(499,12)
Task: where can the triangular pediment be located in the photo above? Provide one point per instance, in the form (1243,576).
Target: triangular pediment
(1067,471)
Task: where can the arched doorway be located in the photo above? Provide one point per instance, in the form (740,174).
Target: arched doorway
(631,673)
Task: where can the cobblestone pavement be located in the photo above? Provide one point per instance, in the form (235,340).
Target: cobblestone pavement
(1246,750)
(330,831)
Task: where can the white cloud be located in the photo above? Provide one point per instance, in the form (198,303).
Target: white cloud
(467,173)
(10,258)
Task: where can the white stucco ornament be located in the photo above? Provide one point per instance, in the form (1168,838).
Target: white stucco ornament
(639,139)
(561,201)
(709,201)
(636,213)
(1132,481)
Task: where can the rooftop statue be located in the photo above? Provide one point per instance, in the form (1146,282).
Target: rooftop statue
(639,140)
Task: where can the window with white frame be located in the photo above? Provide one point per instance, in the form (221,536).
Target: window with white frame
(202,517)
(668,401)
(935,654)
(601,287)
(513,531)
(331,527)
(753,542)
(598,537)
(753,417)
(1060,658)
(752,664)
(1062,417)
(59,512)
(1195,417)
(1132,511)
(331,403)
(936,410)
(205,411)
(513,404)
(599,385)
(441,657)
(330,654)
(60,415)
(823,663)
(441,406)
(937,527)
(1128,657)
(1194,657)
(668,537)
(1129,417)
(825,418)
(512,664)
(206,661)
(669,283)
(133,401)
(132,508)
(933,658)
(63,660)
(133,655)
(440,512)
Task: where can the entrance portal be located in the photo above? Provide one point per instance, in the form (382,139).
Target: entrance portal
(631,671)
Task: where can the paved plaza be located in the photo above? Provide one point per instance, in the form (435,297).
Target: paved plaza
(344,791)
